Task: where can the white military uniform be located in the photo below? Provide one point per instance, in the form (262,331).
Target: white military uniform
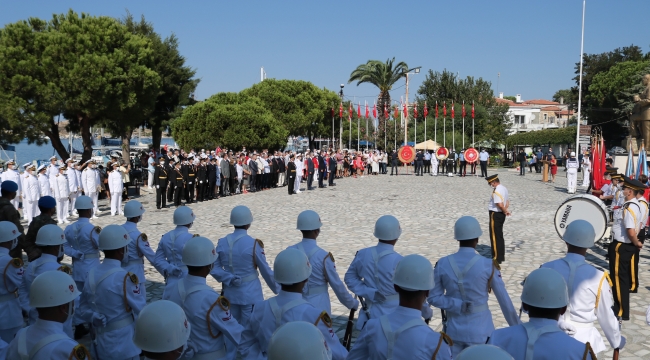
(268,315)
(643,205)
(590,300)
(323,273)
(169,254)
(136,251)
(61,194)
(31,194)
(241,257)
(74,188)
(13,175)
(12,277)
(90,183)
(465,277)
(371,273)
(115,184)
(44,263)
(586,170)
(399,335)
(44,184)
(44,340)
(538,339)
(572,166)
(200,303)
(300,166)
(116,294)
(52,171)
(627,217)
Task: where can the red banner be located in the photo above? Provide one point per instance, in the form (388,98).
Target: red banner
(444,109)
(426,110)
(436,109)
(463,109)
(341,111)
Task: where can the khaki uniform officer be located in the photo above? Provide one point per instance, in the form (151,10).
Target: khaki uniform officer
(498,210)
(323,267)
(238,267)
(403,334)
(625,246)
(169,254)
(545,297)
(162,337)
(463,282)
(52,294)
(208,313)
(589,291)
(291,269)
(12,277)
(112,299)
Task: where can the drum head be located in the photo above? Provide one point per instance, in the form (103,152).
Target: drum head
(582,207)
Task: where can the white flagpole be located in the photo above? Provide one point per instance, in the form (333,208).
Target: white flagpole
(582,44)
(463,124)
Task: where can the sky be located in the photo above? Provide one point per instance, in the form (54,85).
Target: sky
(532,44)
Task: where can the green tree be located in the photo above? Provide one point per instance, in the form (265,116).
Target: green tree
(301,107)
(383,75)
(229,120)
(568,96)
(510,97)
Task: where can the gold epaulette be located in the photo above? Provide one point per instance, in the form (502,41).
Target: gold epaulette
(325,317)
(133,277)
(600,286)
(260,242)
(80,353)
(224,304)
(66,269)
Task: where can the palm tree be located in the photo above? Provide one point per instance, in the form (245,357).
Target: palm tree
(383,76)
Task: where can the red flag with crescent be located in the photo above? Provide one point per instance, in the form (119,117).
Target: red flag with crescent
(341,111)
(463,108)
(367,111)
(452,109)
(426,110)
(332,112)
(396,112)
(350,112)
(415,111)
(472,109)
(359,110)
(444,109)
(374,110)
(406,110)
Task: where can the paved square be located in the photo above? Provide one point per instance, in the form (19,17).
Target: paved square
(427,208)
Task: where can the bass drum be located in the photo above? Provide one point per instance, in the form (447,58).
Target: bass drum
(582,207)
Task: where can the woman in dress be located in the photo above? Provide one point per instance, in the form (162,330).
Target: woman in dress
(375,164)
(553,167)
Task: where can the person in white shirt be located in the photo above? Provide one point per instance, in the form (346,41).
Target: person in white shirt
(52,171)
(498,210)
(299,168)
(586,169)
(484,158)
(11,174)
(590,295)
(62,194)
(44,181)
(116,185)
(31,194)
(73,184)
(572,166)
(463,283)
(91,184)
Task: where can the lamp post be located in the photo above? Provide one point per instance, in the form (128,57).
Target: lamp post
(341,120)
(415,71)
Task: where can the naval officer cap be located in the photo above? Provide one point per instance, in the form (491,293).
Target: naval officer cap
(633,184)
(9,186)
(46,202)
(492,178)
(42,167)
(617,177)
(611,170)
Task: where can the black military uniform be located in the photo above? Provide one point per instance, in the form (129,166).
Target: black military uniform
(332,170)
(212,179)
(310,173)
(160,180)
(202,181)
(178,185)
(291,166)
(419,163)
(393,165)
(170,167)
(189,175)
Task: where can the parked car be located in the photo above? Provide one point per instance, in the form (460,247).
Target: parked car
(617,150)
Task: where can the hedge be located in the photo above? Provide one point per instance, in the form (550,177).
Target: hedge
(565,135)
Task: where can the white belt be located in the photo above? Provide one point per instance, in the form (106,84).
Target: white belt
(115,325)
(221,353)
(8,297)
(91,256)
(249,278)
(135,262)
(315,290)
(582,325)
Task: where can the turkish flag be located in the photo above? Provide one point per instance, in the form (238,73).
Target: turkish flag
(444,109)
(436,109)
(463,108)
(350,112)
(472,109)
(367,111)
(452,109)
(415,111)
(406,110)
(359,110)
(426,110)
(341,111)
(374,110)
(396,112)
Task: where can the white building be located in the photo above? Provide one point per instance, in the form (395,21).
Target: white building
(531,115)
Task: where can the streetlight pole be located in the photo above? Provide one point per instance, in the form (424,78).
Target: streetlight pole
(341,120)
(582,44)
(416,71)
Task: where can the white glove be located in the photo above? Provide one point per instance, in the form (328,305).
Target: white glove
(157,186)
(98,320)
(466,308)
(201,182)
(355,304)
(189,351)
(378,298)
(176,272)
(236,281)
(567,327)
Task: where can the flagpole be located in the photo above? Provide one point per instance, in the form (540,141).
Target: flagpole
(358,108)
(415,120)
(395,137)
(453,127)
(463,124)
(425,130)
(582,44)
(473,143)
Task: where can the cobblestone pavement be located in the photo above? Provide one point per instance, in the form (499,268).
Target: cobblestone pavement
(427,208)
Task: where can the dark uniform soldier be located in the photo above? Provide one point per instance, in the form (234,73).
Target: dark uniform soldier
(47,205)
(393,165)
(178,184)
(170,168)
(291,173)
(212,177)
(201,180)
(419,163)
(160,180)
(189,175)
(9,213)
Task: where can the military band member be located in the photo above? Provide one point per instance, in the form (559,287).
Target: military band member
(160,179)
(498,210)
(291,173)
(643,204)
(463,282)
(178,184)
(589,291)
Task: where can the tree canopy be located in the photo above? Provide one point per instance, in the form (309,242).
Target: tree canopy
(565,135)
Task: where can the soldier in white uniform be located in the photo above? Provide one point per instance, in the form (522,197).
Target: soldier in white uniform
(52,294)
(545,298)
(241,259)
(77,172)
(586,169)
(13,175)
(91,184)
(139,247)
(112,299)
(73,184)
(572,166)
(12,277)
(323,268)
(116,185)
(403,334)
(589,291)
(300,166)
(61,194)
(168,258)
(298,340)
(291,269)
(208,313)
(52,170)
(434,165)
(31,194)
(162,337)
(463,282)
(643,220)
(44,181)
(50,241)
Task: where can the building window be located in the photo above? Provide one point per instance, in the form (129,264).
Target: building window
(520,119)
(552,119)
(545,117)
